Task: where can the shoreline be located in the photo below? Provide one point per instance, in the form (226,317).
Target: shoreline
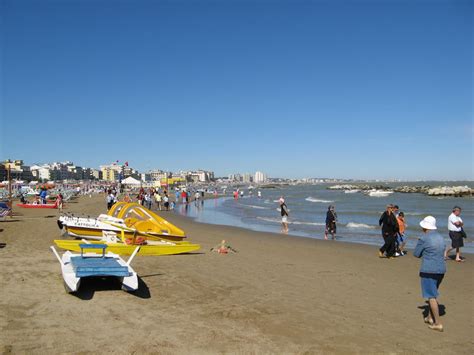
(376,243)
(278,294)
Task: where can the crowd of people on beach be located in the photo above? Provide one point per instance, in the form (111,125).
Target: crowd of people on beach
(156,197)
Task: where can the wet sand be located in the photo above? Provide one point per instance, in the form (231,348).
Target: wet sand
(278,294)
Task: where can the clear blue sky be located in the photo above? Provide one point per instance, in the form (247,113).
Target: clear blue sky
(363,89)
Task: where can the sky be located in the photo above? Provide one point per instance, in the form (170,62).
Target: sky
(346,89)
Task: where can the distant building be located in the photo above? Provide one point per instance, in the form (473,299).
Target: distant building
(247,178)
(200,176)
(235,178)
(18,170)
(260,177)
(111,172)
(95,174)
(158,175)
(3,172)
(41,172)
(145,177)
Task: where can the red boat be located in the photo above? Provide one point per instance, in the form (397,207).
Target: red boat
(37,205)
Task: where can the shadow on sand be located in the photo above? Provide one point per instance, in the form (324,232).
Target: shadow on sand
(90,285)
(426,309)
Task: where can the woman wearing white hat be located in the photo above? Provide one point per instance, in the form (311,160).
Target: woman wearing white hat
(431,248)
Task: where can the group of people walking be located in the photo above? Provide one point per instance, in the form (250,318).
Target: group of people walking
(393,226)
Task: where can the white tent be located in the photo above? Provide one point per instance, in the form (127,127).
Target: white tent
(131,181)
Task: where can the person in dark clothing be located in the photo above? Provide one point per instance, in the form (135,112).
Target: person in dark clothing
(389,225)
(284,216)
(331,219)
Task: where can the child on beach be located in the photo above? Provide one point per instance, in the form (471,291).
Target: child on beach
(401,233)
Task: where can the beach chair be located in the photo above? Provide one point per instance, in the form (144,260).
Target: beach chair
(5,210)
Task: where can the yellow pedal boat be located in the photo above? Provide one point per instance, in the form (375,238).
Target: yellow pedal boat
(151,248)
(145,221)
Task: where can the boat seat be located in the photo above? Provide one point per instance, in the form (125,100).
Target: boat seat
(84,267)
(93,246)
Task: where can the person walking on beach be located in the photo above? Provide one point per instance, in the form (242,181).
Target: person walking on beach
(148,201)
(456,233)
(166,202)
(401,233)
(140,197)
(389,225)
(59,202)
(43,195)
(284,216)
(331,219)
(431,248)
(110,200)
(158,201)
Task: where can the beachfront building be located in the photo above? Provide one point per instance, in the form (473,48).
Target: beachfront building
(3,172)
(201,176)
(41,172)
(59,170)
(158,175)
(75,172)
(95,174)
(145,177)
(129,172)
(111,172)
(260,177)
(18,170)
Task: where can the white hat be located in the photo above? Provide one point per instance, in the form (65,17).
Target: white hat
(428,223)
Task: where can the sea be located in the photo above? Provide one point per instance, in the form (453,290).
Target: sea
(358,214)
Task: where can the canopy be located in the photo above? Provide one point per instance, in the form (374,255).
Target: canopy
(131,181)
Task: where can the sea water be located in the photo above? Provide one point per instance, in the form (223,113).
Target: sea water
(358,214)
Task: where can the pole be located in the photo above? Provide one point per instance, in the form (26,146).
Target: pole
(10,202)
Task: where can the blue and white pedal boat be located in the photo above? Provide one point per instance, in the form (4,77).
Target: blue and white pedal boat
(76,266)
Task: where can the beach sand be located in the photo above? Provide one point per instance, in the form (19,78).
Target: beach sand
(278,294)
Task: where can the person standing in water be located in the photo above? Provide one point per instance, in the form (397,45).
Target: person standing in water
(331,219)
(431,248)
(284,216)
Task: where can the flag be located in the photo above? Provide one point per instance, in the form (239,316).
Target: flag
(126,163)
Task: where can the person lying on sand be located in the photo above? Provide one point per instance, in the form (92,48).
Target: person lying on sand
(223,248)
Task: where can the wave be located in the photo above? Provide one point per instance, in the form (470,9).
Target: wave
(256,207)
(277,220)
(359,225)
(312,199)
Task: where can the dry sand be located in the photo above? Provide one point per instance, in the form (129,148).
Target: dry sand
(278,294)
